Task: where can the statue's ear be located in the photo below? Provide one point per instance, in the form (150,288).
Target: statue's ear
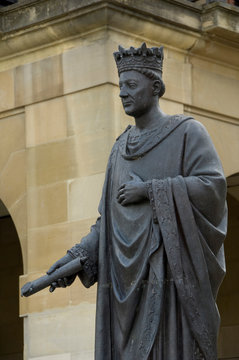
(156,87)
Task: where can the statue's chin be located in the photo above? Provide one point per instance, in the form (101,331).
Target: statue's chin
(129,112)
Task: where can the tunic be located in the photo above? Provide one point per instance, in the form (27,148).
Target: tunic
(159,263)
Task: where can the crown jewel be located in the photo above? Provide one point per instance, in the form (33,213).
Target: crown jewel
(143,57)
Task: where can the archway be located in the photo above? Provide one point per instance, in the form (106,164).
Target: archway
(228,298)
(11,267)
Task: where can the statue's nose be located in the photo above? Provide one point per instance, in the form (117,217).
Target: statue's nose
(123,93)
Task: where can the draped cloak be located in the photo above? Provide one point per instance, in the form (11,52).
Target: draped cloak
(159,263)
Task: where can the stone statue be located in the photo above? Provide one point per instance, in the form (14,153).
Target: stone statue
(156,250)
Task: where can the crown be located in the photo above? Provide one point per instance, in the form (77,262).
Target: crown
(143,57)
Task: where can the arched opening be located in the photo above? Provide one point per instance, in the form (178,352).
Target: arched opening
(11,267)
(228,299)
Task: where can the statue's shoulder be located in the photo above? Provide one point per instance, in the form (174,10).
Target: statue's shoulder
(188,122)
(124,132)
(193,129)
(180,118)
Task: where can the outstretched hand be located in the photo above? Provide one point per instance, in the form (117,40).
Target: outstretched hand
(65,281)
(132,191)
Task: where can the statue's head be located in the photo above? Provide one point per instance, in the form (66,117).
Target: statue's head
(140,77)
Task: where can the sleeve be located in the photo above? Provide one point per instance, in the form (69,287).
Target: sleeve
(192,216)
(88,252)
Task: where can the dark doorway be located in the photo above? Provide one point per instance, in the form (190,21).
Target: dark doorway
(228,299)
(11,326)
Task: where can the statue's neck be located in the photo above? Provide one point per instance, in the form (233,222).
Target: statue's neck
(150,120)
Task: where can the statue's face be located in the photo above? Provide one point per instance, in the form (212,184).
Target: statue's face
(136,92)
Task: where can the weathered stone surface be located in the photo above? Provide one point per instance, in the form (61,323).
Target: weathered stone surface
(15,168)
(206,83)
(92,124)
(18,212)
(47,205)
(7,98)
(177,77)
(46,122)
(52,162)
(53,357)
(85,67)
(84,196)
(12,130)
(63,329)
(217,18)
(38,81)
(171,107)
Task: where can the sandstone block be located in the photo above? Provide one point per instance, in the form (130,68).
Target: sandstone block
(91,111)
(47,205)
(219,93)
(7,98)
(177,77)
(171,107)
(18,212)
(38,81)
(84,196)
(12,130)
(85,66)
(69,330)
(86,355)
(53,357)
(53,162)
(46,122)
(93,120)
(12,190)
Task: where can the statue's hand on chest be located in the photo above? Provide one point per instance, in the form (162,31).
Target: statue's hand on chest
(133,191)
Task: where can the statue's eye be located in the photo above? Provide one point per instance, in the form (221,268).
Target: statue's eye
(132,85)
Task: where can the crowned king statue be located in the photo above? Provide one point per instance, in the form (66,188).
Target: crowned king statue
(156,250)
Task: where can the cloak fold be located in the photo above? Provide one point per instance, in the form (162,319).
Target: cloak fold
(197,269)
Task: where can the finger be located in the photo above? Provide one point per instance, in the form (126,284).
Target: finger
(120,192)
(121,187)
(51,289)
(61,283)
(53,268)
(121,198)
(124,202)
(54,284)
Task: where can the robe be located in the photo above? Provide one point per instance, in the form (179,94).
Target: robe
(159,262)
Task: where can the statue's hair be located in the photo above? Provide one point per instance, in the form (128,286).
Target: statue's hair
(153,75)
